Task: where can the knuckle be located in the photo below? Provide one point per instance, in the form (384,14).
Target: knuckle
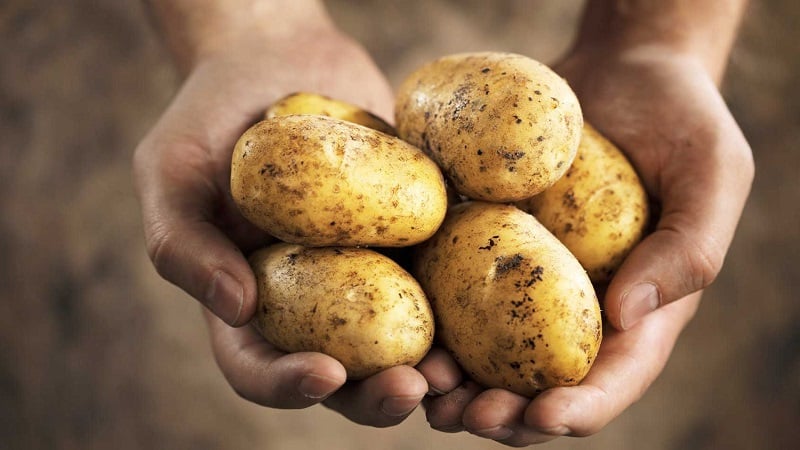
(241,393)
(161,248)
(704,260)
(700,259)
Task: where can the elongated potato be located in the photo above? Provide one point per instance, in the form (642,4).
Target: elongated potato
(598,209)
(503,127)
(319,181)
(310,103)
(350,303)
(510,302)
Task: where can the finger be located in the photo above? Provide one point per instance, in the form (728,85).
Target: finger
(382,400)
(626,366)
(702,194)
(498,414)
(178,200)
(261,374)
(441,371)
(445,413)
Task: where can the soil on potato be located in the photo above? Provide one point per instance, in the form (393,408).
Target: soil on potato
(96,351)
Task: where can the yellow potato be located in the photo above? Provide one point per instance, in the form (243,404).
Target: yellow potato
(513,306)
(598,209)
(318,181)
(309,103)
(353,304)
(503,127)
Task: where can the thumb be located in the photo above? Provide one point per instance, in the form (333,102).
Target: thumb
(703,193)
(187,248)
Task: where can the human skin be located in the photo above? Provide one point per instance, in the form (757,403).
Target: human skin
(646,73)
(237,57)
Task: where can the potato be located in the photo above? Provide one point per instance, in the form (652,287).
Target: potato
(318,181)
(503,127)
(513,306)
(353,304)
(598,209)
(310,103)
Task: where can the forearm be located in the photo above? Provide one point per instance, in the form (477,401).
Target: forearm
(193,29)
(704,29)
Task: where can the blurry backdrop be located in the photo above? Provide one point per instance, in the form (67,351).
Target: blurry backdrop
(97,352)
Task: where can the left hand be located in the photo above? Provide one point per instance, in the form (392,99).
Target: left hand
(665,112)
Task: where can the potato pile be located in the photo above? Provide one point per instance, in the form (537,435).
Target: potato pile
(538,206)
(328,188)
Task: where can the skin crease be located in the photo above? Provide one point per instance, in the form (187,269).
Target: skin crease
(655,98)
(661,105)
(193,230)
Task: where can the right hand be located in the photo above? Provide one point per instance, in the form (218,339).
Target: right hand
(197,239)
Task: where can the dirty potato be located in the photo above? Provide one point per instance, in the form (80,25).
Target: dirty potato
(353,304)
(598,209)
(512,305)
(318,181)
(316,104)
(503,127)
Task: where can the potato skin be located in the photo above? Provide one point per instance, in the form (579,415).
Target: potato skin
(513,306)
(353,304)
(599,209)
(316,104)
(503,127)
(319,181)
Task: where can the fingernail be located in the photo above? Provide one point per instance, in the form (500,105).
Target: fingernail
(224,297)
(399,406)
(450,428)
(497,433)
(641,300)
(433,392)
(561,430)
(316,386)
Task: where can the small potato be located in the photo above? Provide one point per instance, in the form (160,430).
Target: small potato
(513,306)
(309,103)
(598,209)
(503,127)
(353,304)
(318,181)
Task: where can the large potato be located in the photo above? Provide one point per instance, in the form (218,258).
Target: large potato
(514,307)
(310,103)
(353,304)
(598,209)
(503,127)
(319,181)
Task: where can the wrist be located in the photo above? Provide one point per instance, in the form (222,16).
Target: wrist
(196,31)
(700,30)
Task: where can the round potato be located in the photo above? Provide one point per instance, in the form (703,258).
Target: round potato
(503,127)
(353,304)
(318,181)
(510,302)
(310,103)
(598,209)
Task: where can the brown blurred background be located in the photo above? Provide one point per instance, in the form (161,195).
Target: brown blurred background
(97,352)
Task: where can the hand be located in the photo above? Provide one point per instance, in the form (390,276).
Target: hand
(665,112)
(627,364)
(196,236)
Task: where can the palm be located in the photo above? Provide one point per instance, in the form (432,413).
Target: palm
(196,234)
(668,117)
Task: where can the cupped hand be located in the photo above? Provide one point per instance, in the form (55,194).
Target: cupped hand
(666,113)
(628,362)
(197,239)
